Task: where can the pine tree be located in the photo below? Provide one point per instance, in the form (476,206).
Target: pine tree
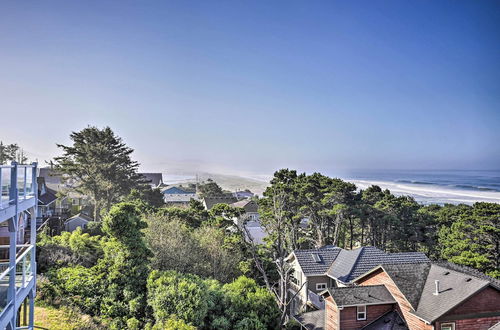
(100,166)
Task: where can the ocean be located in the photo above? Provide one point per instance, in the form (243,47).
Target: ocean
(433,186)
(426,186)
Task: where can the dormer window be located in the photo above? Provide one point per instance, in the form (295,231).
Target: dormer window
(361,313)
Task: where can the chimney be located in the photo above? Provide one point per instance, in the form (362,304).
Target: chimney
(437,288)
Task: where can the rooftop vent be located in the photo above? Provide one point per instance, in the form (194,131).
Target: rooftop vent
(437,287)
(316,257)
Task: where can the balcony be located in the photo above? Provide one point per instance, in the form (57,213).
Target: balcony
(17,186)
(25,271)
(18,209)
(315,299)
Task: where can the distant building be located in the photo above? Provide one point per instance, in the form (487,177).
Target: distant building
(80,220)
(243,194)
(155,180)
(70,201)
(178,195)
(46,200)
(209,202)
(251,214)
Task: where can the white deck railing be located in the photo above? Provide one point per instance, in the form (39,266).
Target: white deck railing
(22,181)
(25,271)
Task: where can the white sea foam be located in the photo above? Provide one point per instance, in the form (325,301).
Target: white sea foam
(428,194)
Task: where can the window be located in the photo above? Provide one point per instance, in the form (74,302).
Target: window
(361,313)
(448,326)
(320,286)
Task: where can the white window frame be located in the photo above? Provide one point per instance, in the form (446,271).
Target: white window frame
(324,286)
(447,324)
(359,311)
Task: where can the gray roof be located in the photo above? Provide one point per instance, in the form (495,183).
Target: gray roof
(312,320)
(389,321)
(409,278)
(361,295)
(211,201)
(316,261)
(417,282)
(79,216)
(247,204)
(495,327)
(346,265)
(155,179)
(454,287)
(49,197)
(49,175)
(353,263)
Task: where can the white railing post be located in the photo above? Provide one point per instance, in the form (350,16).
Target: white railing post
(23,282)
(24,187)
(1,187)
(14,199)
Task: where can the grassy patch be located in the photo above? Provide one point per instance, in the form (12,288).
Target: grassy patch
(47,317)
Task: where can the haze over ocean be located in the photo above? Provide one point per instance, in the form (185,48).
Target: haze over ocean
(426,186)
(434,186)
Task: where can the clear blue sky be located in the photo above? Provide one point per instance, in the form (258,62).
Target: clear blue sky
(256,85)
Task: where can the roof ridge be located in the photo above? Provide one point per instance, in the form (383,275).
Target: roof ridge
(362,249)
(358,286)
(466,270)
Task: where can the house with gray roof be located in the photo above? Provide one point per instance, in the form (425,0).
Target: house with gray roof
(155,180)
(411,295)
(80,220)
(178,195)
(210,202)
(441,295)
(316,270)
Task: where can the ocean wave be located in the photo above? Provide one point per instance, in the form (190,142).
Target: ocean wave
(471,187)
(416,182)
(459,186)
(438,194)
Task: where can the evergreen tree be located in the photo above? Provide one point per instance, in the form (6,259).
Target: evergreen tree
(100,166)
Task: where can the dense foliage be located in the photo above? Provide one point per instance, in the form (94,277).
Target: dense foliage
(207,304)
(194,278)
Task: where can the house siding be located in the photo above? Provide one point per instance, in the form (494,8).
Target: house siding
(483,323)
(313,280)
(485,301)
(468,316)
(380,277)
(348,316)
(331,315)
